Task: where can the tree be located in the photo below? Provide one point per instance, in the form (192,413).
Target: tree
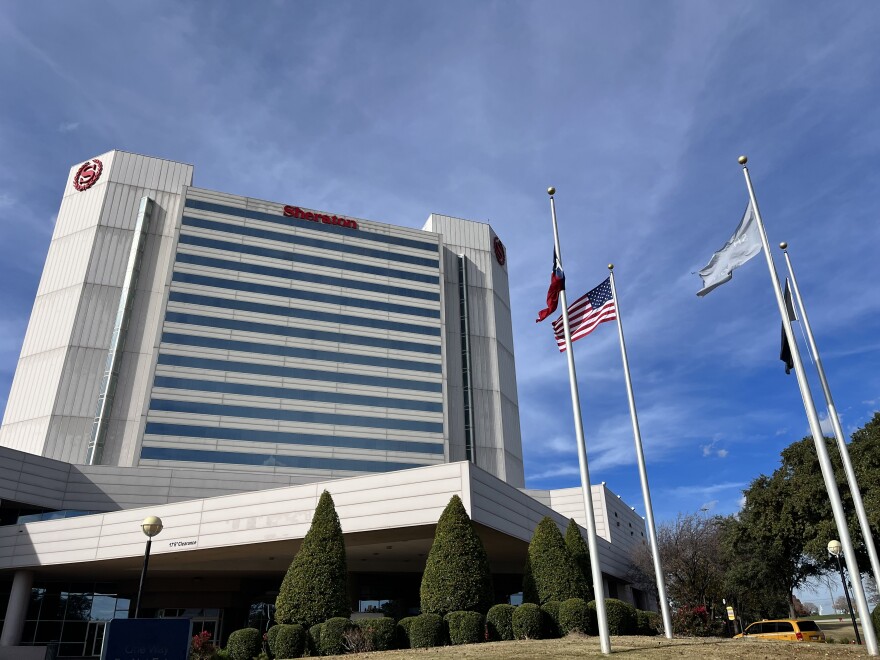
(578,548)
(840,605)
(457,573)
(554,572)
(315,587)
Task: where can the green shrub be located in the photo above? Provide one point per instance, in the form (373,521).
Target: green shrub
(271,634)
(315,586)
(647,623)
(580,552)
(380,632)
(529,590)
(313,639)
(550,612)
(527,622)
(290,641)
(555,573)
(592,619)
(333,635)
(875,618)
(574,617)
(465,627)
(456,573)
(499,622)
(245,644)
(402,630)
(621,617)
(426,630)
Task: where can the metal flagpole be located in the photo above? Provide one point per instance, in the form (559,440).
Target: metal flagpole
(643,472)
(838,432)
(815,428)
(592,543)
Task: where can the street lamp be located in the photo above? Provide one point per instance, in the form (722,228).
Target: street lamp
(834,550)
(151,526)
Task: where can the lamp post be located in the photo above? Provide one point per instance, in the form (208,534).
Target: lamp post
(834,550)
(151,526)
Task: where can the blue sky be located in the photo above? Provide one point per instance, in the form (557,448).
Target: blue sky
(636,112)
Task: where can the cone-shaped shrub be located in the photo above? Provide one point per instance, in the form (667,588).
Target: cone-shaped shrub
(574,617)
(244,644)
(553,569)
(499,622)
(528,622)
(315,588)
(465,627)
(457,571)
(579,549)
(529,590)
(622,619)
(290,641)
(425,631)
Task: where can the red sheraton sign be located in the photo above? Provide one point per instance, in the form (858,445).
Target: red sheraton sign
(297,212)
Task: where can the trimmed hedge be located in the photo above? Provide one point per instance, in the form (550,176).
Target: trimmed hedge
(380,632)
(271,634)
(574,617)
(456,573)
(592,618)
(555,573)
(550,611)
(527,622)
(499,622)
(425,631)
(290,641)
(580,552)
(647,623)
(333,635)
(402,631)
(622,619)
(465,627)
(313,639)
(245,644)
(315,587)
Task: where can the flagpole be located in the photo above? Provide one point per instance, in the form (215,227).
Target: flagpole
(868,539)
(815,429)
(592,543)
(643,472)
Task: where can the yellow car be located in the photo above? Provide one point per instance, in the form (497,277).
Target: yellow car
(784,630)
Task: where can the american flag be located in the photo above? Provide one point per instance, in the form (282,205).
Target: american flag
(585,313)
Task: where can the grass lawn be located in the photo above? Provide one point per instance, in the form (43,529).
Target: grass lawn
(629,648)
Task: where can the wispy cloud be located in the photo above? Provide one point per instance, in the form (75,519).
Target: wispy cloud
(68,127)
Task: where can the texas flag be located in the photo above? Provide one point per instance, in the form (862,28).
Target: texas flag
(557,284)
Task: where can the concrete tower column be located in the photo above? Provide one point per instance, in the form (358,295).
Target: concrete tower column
(16,611)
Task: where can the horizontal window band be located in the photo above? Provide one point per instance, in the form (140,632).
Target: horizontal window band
(272,460)
(300,276)
(286,255)
(297,352)
(282,438)
(306,417)
(296,372)
(299,313)
(290,222)
(301,294)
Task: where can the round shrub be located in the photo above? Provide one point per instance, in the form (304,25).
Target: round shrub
(622,618)
(290,641)
(574,617)
(245,644)
(550,611)
(271,634)
(527,622)
(380,632)
(646,623)
(333,635)
(402,630)
(426,630)
(313,639)
(465,627)
(555,572)
(499,622)
(456,573)
(592,619)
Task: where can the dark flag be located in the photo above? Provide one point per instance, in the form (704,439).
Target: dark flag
(785,351)
(557,284)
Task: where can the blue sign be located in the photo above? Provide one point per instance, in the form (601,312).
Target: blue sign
(146,639)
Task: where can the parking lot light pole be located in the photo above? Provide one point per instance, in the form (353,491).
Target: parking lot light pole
(151,526)
(834,549)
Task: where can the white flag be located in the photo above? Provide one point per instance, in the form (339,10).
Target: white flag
(742,246)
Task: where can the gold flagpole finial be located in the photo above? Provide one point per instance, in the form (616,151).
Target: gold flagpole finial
(742,160)
(610,266)
(551,191)
(783,245)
